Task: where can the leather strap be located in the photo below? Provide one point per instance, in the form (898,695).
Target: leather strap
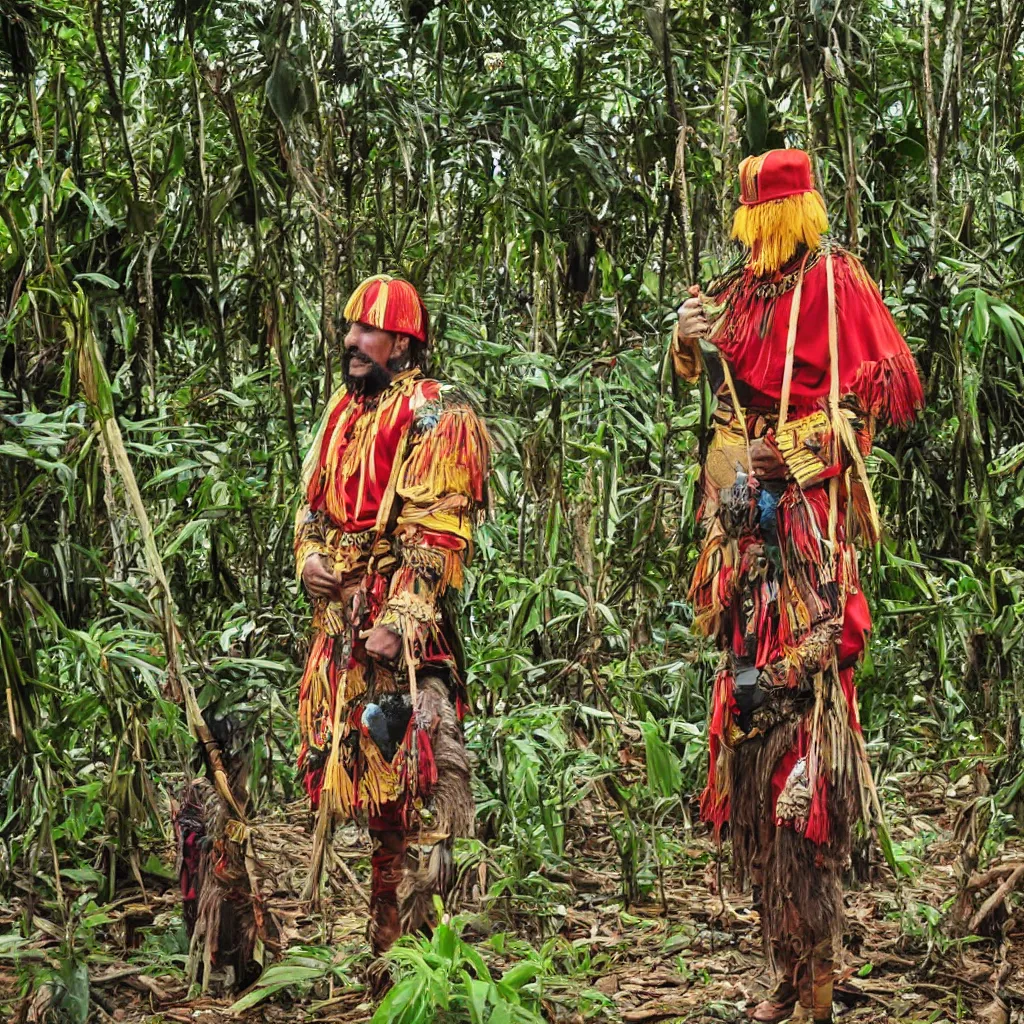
(738,409)
(787,373)
(833,401)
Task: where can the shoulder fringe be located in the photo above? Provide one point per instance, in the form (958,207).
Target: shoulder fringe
(450,457)
(890,389)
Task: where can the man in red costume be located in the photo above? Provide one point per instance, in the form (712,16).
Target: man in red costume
(805,361)
(393,485)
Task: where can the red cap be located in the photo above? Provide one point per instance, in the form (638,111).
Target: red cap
(390,305)
(775,175)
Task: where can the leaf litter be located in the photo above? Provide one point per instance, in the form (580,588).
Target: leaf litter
(700,961)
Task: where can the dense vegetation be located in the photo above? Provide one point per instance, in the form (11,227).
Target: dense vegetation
(190,191)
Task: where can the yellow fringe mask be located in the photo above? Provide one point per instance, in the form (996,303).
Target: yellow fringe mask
(773,230)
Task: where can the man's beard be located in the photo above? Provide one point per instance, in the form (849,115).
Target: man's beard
(375,380)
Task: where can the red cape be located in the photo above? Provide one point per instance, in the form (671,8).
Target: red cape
(875,363)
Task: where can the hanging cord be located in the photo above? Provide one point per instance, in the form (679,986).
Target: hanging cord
(787,374)
(740,412)
(833,403)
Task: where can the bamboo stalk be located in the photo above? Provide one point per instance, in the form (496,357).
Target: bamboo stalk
(96,386)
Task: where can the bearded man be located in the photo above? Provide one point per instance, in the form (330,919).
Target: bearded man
(805,361)
(392,487)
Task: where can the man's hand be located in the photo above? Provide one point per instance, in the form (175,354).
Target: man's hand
(692,321)
(319,581)
(766,462)
(384,644)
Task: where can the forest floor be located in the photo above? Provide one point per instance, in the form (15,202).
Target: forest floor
(699,962)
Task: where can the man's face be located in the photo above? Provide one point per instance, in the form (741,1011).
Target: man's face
(371,357)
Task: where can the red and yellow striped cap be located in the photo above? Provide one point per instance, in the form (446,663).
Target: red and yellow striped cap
(389,304)
(775,175)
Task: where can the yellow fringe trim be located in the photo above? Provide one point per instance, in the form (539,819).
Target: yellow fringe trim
(374,316)
(338,794)
(774,230)
(380,782)
(316,705)
(305,548)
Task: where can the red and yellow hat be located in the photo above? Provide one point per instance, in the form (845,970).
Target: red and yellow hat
(389,304)
(775,175)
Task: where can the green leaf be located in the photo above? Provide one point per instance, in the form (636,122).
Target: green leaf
(177,156)
(664,773)
(190,529)
(83,874)
(911,149)
(74,975)
(107,282)
(476,998)
(516,977)
(255,996)
(402,1003)
(756,128)
(285,90)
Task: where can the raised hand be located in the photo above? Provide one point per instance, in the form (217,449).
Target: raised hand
(693,323)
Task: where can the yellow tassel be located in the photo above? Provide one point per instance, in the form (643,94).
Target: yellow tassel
(354,307)
(376,314)
(775,229)
(352,684)
(379,783)
(338,794)
(315,705)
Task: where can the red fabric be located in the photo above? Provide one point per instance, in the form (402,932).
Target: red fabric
(819,824)
(388,819)
(874,361)
(850,693)
(775,175)
(315,490)
(382,444)
(404,312)
(715,806)
(313,782)
(449,541)
(426,766)
(189,866)
(782,770)
(856,626)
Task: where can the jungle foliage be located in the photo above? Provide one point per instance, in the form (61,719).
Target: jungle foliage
(189,192)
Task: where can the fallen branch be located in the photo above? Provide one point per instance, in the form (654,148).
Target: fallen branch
(155,989)
(996,898)
(360,891)
(118,975)
(986,878)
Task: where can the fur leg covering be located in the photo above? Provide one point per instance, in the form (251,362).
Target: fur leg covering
(803,903)
(451,806)
(450,810)
(752,824)
(433,873)
(223,915)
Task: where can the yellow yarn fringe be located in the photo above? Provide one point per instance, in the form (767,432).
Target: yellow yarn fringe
(774,230)
(375,316)
(381,781)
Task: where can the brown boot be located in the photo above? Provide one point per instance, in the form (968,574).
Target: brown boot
(814,984)
(777,1005)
